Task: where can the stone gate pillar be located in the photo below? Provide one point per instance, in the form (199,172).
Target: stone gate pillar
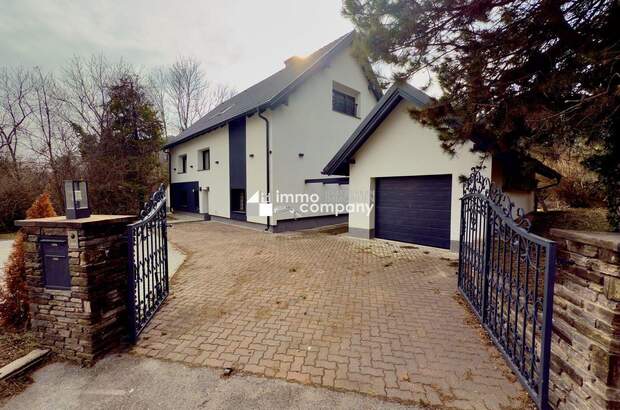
(76,272)
(585,360)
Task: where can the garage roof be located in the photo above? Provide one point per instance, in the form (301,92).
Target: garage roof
(339,164)
(270,92)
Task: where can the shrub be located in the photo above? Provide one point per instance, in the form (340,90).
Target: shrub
(14,294)
(18,193)
(41,208)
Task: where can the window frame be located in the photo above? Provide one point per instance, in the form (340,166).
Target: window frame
(346,98)
(201,159)
(183,165)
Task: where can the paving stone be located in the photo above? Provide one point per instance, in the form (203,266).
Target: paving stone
(311,307)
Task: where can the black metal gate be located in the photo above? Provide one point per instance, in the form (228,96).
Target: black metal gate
(148,263)
(507,274)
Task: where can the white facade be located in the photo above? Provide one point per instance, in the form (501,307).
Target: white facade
(401,147)
(309,126)
(305,134)
(214,184)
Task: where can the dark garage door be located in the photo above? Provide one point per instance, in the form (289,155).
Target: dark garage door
(414,209)
(185,196)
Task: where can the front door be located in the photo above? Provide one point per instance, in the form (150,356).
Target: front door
(185,197)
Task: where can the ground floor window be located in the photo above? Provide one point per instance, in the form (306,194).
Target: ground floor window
(182,164)
(205,160)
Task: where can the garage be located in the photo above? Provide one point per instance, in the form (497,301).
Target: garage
(414,209)
(415,183)
(185,197)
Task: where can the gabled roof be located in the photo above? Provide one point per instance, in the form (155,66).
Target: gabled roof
(270,92)
(339,164)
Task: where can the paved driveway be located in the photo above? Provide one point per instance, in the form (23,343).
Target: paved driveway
(137,383)
(323,309)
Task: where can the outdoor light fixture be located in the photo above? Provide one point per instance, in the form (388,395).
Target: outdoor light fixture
(76,199)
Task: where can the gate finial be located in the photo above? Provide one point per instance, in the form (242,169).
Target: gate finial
(478,184)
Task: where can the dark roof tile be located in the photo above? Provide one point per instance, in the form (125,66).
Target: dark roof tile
(264,94)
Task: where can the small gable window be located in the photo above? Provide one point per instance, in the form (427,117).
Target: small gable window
(343,103)
(205,159)
(182,164)
(344,99)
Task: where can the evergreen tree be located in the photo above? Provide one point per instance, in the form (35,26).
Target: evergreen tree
(515,74)
(123,164)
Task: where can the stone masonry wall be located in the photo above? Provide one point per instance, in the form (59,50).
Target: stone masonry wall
(585,363)
(84,322)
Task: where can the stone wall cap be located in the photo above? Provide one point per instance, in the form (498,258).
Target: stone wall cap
(63,222)
(606,240)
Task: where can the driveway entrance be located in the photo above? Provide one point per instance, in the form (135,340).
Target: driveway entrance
(318,308)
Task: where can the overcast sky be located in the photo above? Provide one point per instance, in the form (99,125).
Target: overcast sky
(239,42)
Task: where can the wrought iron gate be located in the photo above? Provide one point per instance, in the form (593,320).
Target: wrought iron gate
(507,274)
(148,263)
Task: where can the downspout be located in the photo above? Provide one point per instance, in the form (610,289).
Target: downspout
(169,179)
(267,152)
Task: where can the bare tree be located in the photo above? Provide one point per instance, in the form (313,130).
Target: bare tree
(190,93)
(217,94)
(15,109)
(156,91)
(187,89)
(86,91)
(52,138)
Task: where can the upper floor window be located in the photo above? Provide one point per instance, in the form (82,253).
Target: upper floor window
(205,159)
(182,164)
(345,99)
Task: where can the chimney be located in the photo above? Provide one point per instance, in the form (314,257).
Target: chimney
(293,61)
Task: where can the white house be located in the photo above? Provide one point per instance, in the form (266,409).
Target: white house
(273,139)
(409,182)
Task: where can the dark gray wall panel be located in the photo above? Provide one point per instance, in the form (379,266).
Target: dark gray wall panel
(236,142)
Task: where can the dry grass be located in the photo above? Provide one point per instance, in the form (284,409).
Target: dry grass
(581,219)
(12,347)
(578,188)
